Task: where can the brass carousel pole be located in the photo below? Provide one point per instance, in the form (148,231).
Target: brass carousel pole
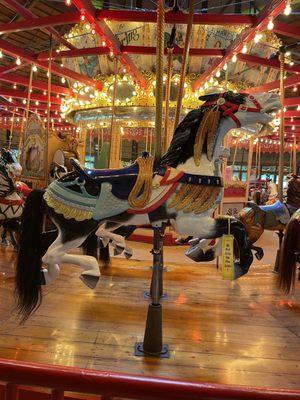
(281,129)
(113,139)
(281,153)
(11,129)
(184,61)
(25,115)
(152,344)
(170,50)
(295,156)
(249,165)
(48,110)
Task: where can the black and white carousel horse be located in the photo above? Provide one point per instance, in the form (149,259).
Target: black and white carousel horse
(11,203)
(182,189)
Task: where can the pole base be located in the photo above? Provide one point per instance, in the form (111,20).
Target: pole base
(140,352)
(165,269)
(147,296)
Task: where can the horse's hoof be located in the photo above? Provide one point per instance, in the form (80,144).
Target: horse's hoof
(118,250)
(89,280)
(127,254)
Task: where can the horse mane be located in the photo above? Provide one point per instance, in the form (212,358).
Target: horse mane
(293,192)
(182,145)
(6,183)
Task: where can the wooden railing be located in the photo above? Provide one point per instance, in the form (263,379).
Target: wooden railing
(106,385)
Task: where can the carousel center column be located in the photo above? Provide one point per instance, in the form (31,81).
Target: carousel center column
(115,145)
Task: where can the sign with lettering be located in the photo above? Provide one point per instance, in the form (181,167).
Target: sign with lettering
(227,257)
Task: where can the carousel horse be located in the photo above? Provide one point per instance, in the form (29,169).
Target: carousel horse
(183,188)
(11,204)
(290,254)
(256,219)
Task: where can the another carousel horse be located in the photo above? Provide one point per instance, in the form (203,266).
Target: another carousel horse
(183,188)
(256,219)
(290,254)
(11,204)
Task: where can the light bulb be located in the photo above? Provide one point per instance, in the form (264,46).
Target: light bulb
(68,2)
(15,86)
(234,58)
(1,54)
(10,99)
(82,17)
(225,66)
(37,103)
(18,61)
(63,79)
(244,49)
(24,101)
(34,68)
(257,37)
(270,25)
(295,89)
(293,127)
(44,93)
(298,108)
(288,8)
(218,74)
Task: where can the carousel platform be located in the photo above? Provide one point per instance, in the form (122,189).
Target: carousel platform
(242,333)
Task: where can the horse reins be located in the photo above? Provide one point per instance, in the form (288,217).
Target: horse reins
(229,109)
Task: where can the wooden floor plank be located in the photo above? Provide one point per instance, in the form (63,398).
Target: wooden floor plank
(243,333)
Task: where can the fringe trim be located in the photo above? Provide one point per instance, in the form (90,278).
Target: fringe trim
(207,130)
(66,210)
(194,198)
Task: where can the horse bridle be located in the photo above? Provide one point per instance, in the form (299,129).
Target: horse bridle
(229,109)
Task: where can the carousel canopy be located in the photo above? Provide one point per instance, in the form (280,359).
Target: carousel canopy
(234,45)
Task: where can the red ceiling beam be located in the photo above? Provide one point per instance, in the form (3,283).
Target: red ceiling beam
(175,17)
(102,29)
(23,95)
(289,30)
(26,13)
(272,9)
(292,102)
(290,81)
(11,68)
(41,106)
(30,57)
(292,114)
(130,50)
(23,81)
(255,60)
(40,22)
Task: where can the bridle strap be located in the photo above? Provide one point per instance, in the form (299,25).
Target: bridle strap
(229,109)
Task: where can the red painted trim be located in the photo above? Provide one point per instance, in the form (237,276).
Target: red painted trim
(102,29)
(157,204)
(175,17)
(291,101)
(23,95)
(130,50)
(166,176)
(175,179)
(272,9)
(290,81)
(11,202)
(289,30)
(169,240)
(30,57)
(114,384)
(22,80)
(255,60)
(40,22)
(26,13)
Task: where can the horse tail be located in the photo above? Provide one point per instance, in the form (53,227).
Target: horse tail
(287,263)
(90,245)
(28,280)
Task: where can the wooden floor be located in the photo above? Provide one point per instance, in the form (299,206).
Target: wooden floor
(244,333)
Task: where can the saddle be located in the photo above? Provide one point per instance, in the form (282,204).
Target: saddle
(256,218)
(124,179)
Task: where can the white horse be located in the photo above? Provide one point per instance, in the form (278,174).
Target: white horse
(185,190)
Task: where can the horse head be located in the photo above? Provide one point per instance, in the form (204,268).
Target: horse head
(10,163)
(203,130)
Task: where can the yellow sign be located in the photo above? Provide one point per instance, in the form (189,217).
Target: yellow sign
(227,257)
